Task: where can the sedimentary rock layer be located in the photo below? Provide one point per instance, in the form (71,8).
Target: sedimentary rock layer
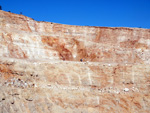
(48,67)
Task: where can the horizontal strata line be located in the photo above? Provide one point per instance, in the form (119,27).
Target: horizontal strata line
(8,59)
(101,47)
(86,88)
(86,41)
(29,45)
(89,88)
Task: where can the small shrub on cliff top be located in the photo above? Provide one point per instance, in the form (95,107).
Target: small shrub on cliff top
(0,7)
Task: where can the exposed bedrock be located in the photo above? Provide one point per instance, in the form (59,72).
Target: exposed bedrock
(54,68)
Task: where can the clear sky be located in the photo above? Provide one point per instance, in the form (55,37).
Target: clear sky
(111,13)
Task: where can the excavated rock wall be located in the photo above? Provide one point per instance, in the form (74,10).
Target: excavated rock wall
(54,68)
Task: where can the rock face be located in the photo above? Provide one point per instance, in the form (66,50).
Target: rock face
(54,68)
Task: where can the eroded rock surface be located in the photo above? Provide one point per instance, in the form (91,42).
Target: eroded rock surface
(54,68)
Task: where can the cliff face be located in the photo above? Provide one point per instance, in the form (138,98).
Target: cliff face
(48,67)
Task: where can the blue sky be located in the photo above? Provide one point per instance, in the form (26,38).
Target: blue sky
(107,13)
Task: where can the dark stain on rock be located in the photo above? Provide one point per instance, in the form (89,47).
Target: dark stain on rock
(64,53)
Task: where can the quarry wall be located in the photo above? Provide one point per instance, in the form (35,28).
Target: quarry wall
(48,67)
